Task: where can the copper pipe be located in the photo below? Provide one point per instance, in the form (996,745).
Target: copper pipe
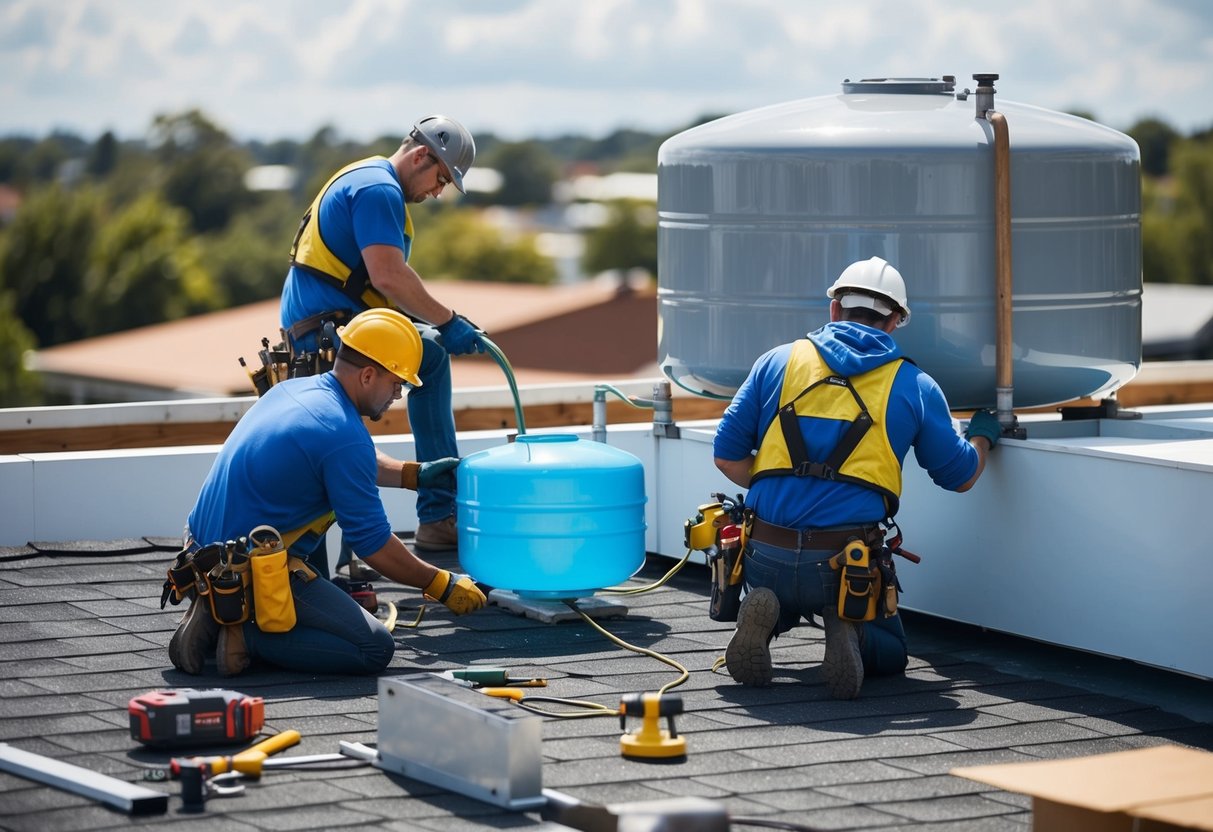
(1002,261)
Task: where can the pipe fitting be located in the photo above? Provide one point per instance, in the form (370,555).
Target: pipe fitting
(985,92)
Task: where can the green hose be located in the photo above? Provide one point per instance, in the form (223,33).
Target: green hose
(504,364)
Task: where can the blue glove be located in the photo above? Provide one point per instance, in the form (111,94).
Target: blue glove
(984,423)
(438,474)
(460,336)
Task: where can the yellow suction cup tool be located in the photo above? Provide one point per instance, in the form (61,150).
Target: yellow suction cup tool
(651,741)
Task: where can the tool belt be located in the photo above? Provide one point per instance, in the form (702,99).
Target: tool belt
(798,540)
(281,362)
(235,590)
(307,326)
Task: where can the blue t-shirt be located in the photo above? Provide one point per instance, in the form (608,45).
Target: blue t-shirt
(300,451)
(917,415)
(364,207)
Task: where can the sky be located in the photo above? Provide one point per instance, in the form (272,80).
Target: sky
(272,69)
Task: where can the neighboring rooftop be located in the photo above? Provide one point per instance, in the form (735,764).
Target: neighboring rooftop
(81,633)
(550,335)
(546,332)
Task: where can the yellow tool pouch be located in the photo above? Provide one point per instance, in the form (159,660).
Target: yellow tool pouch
(273,603)
(858,584)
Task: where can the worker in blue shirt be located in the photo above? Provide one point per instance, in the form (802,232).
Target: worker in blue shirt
(300,458)
(818,433)
(351,253)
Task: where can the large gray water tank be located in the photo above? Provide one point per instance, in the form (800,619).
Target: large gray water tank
(760,212)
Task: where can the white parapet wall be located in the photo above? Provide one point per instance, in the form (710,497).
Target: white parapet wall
(1087,534)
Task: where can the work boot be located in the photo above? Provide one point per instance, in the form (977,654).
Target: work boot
(194,640)
(843,664)
(439,536)
(748,656)
(231,655)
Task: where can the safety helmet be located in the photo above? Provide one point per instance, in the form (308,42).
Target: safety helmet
(387,337)
(450,142)
(873,284)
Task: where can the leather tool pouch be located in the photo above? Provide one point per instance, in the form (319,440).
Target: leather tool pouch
(725,562)
(229,597)
(229,585)
(273,603)
(189,574)
(859,583)
(888,580)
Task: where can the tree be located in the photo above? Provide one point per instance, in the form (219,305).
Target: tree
(1155,138)
(18,386)
(627,240)
(204,169)
(248,259)
(43,259)
(103,157)
(1192,163)
(527,171)
(1177,218)
(458,245)
(144,268)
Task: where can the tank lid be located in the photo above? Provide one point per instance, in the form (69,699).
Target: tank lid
(901,86)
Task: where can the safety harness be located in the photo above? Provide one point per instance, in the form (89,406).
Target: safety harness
(310,254)
(862,456)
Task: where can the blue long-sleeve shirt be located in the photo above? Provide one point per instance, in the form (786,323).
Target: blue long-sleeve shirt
(300,451)
(918,416)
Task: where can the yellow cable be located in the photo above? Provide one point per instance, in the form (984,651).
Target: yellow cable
(685,674)
(594,708)
(396,623)
(662,581)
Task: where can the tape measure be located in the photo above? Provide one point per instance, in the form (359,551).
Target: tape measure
(184,716)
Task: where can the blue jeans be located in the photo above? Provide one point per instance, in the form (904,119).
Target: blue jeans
(805,584)
(432,422)
(332,634)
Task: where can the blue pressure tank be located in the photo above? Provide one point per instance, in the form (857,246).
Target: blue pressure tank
(759,213)
(551,516)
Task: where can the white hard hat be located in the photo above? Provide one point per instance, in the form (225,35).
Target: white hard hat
(872,284)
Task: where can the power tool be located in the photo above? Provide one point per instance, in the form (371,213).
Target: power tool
(181,717)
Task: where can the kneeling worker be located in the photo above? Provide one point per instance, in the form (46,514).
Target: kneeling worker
(300,457)
(831,417)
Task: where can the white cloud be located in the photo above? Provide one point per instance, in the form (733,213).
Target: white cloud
(278,69)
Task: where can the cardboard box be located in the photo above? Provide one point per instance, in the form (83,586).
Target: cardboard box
(1145,790)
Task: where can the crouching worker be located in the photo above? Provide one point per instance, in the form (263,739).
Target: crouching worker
(831,417)
(298,459)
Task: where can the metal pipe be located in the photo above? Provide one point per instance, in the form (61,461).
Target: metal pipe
(598,422)
(662,405)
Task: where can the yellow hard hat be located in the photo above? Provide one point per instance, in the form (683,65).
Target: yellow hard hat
(387,337)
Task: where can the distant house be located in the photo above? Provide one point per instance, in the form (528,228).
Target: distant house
(590,331)
(1177,322)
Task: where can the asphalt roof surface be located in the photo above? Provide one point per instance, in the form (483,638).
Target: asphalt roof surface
(81,632)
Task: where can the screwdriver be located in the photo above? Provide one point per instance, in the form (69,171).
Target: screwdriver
(247,762)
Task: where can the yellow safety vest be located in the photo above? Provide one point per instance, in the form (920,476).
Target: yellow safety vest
(310,254)
(863,455)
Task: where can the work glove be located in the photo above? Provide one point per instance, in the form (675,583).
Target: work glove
(457,592)
(460,336)
(437,474)
(984,423)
